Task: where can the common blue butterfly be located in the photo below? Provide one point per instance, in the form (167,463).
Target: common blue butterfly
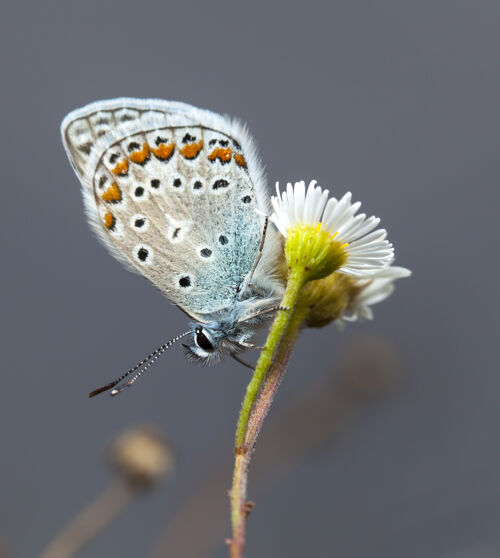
(178,194)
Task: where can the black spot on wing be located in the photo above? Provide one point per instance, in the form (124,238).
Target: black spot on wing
(221,183)
(142,254)
(85,147)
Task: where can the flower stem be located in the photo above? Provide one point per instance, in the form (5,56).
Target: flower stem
(266,379)
(273,378)
(91,521)
(296,281)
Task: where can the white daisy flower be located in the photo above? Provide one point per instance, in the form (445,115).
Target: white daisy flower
(364,250)
(373,289)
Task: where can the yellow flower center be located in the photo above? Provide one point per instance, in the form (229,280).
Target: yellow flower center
(313,252)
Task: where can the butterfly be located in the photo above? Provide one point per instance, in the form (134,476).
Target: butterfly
(178,194)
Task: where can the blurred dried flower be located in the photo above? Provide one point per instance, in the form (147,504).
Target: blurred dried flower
(142,455)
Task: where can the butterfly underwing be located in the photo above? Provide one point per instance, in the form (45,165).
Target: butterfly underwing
(178,194)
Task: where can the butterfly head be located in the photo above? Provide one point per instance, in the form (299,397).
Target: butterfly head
(231,330)
(210,343)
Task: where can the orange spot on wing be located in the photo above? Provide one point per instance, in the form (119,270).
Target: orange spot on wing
(164,151)
(221,153)
(109,220)
(140,156)
(240,160)
(112,194)
(191,150)
(121,168)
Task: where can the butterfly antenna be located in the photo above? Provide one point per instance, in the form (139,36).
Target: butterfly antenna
(153,357)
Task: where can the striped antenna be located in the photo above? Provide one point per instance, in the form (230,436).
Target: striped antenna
(152,358)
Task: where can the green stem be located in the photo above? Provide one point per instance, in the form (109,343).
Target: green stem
(295,282)
(273,378)
(265,381)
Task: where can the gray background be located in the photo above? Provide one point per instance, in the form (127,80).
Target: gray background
(396,101)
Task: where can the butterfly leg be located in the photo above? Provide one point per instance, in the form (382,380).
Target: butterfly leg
(238,359)
(263,313)
(248,345)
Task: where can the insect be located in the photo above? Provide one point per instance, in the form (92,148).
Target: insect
(178,194)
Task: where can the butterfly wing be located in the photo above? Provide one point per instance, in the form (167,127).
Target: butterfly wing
(172,191)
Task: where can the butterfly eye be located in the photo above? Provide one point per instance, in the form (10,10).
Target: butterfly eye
(203,342)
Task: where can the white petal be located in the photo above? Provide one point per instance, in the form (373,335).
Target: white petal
(322,199)
(328,211)
(364,228)
(367,249)
(348,229)
(300,196)
(374,236)
(374,289)
(308,203)
(341,207)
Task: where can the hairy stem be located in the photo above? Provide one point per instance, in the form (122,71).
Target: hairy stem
(295,283)
(273,379)
(264,384)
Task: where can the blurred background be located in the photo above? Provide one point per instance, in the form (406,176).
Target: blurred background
(387,445)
